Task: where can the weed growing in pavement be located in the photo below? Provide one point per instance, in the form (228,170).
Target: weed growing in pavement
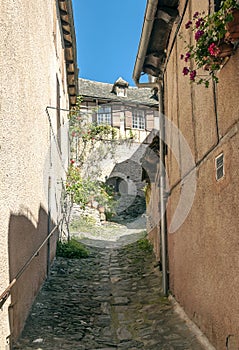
(145,245)
(71,250)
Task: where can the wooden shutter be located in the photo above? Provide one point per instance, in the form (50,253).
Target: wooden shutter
(116,114)
(149,120)
(128,119)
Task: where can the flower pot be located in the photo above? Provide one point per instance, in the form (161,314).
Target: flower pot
(212,64)
(226,50)
(233,27)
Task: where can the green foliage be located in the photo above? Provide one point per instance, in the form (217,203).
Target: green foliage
(209,44)
(72,250)
(83,190)
(145,245)
(82,126)
(84,223)
(131,134)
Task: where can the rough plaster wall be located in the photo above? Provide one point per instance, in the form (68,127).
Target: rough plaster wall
(203,253)
(204,250)
(28,67)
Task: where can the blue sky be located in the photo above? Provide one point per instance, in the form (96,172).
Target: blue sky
(108,34)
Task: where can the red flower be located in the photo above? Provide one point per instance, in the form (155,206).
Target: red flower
(185,71)
(199,22)
(198,34)
(187,56)
(188,24)
(193,74)
(214,50)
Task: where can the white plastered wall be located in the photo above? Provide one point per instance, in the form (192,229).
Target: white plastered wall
(29,63)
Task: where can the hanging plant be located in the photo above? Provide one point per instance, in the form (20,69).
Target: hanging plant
(214,39)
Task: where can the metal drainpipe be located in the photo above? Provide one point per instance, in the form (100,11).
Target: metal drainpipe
(163,193)
(163,196)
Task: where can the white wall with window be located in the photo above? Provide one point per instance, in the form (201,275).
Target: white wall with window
(104,115)
(138,119)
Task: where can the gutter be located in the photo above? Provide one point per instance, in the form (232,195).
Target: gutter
(68,32)
(149,17)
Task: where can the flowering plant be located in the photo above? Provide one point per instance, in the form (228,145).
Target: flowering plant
(211,44)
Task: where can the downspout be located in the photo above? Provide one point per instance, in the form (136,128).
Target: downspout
(146,32)
(163,192)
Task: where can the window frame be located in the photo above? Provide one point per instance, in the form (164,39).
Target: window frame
(138,119)
(104,115)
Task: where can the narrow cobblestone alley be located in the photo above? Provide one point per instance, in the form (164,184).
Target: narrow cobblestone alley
(110,300)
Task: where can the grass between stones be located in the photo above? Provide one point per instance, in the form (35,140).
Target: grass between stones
(72,250)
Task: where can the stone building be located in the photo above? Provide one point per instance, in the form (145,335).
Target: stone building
(133,113)
(200,227)
(38,74)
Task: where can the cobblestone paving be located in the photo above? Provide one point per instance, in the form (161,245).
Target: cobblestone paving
(111,300)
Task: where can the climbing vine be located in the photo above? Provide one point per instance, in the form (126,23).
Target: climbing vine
(90,145)
(83,190)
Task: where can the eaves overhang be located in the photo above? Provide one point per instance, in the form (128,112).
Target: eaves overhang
(68,31)
(159,18)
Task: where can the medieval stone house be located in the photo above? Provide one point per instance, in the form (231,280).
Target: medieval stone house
(200,129)
(133,113)
(38,74)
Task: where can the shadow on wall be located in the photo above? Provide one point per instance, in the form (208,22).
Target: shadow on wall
(25,236)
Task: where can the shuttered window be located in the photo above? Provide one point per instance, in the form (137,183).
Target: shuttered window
(138,119)
(104,115)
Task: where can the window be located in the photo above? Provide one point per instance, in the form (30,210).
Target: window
(104,115)
(121,91)
(138,121)
(219,163)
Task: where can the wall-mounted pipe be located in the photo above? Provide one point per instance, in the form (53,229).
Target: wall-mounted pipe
(163,197)
(163,192)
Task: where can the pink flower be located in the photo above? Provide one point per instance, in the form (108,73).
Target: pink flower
(214,50)
(198,34)
(187,56)
(185,71)
(72,161)
(196,14)
(193,74)
(199,22)
(188,24)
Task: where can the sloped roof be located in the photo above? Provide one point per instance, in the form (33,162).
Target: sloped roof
(68,31)
(104,91)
